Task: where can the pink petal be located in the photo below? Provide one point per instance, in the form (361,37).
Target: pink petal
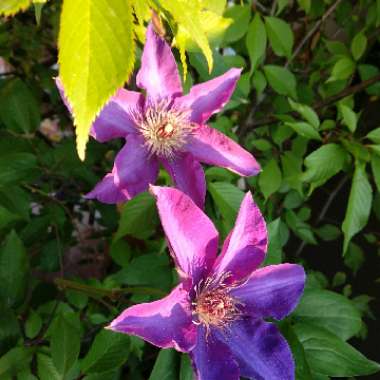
(116,118)
(188,176)
(166,323)
(273,291)
(247,243)
(260,350)
(107,192)
(134,168)
(210,97)
(212,147)
(158,74)
(192,236)
(212,359)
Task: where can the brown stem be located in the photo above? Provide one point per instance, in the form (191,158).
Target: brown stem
(324,103)
(312,31)
(249,120)
(324,210)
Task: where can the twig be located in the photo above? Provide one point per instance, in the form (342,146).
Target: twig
(324,210)
(324,103)
(249,119)
(260,6)
(273,9)
(312,31)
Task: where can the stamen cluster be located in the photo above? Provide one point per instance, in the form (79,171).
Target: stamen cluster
(214,306)
(165,128)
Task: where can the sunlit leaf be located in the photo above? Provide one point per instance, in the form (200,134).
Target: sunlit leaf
(188,18)
(96,56)
(11,7)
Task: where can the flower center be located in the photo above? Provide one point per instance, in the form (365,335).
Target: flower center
(165,128)
(214,306)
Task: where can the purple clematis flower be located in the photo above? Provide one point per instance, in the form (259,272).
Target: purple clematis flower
(216,312)
(167,128)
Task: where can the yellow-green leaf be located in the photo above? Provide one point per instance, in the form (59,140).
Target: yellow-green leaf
(188,19)
(96,57)
(11,7)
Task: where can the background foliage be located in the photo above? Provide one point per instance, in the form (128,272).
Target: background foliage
(306,106)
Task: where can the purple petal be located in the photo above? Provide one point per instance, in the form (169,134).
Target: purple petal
(273,291)
(188,176)
(247,244)
(116,118)
(135,169)
(158,74)
(260,350)
(107,192)
(213,147)
(192,236)
(207,98)
(165,323)
(212,360)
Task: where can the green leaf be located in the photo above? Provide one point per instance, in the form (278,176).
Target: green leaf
(375,165)
(274,253)
(16,167)
(302,367)
(227,198)
(65,344)
(19,110)
(350,118)
(270,178)
(358,45)
(14,361)
(256,41)
(307,113)
(46,369)
(33,325)
(359,205)
(281,80)
(324,163)
(138,217)
(367,72)
(280,36)
(9,328)
(354,257)
(186,370)
(165,367)
(240,16)
(14,270)
(11,7)
(299,227)
(7,217)
(329,310)
(96,57)
(374,135)
(291,170)
(305,5)
(328,232)
(329,355)
(259,81)
(342,69)
(108,351)
(304,129)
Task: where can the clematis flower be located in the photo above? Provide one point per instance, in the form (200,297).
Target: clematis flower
(167,128)
(217,312)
